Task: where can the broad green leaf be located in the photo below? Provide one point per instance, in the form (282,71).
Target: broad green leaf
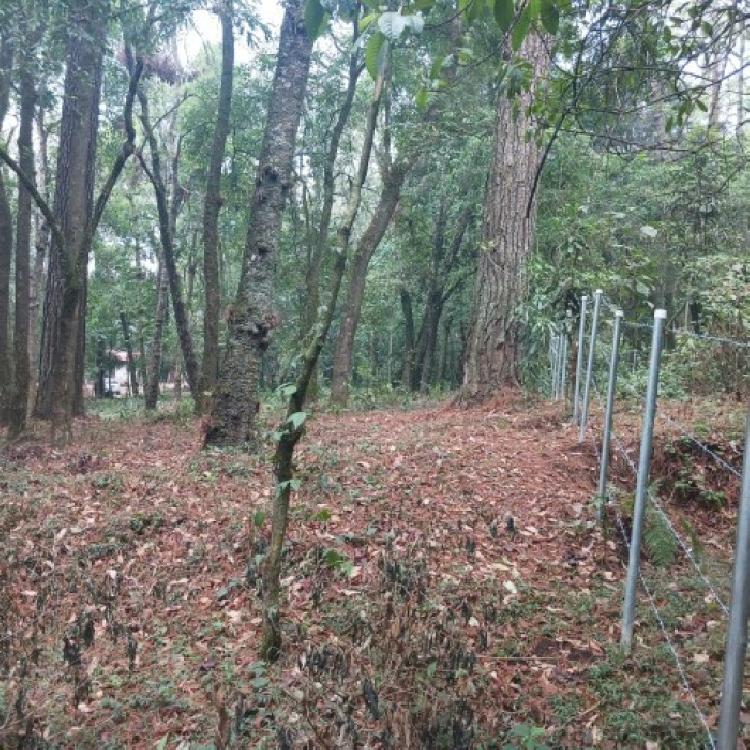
(372,54)
(504,11)
(521,29)
(550,16)
(364,24)
(315,18)
(392,24)
(259,518)
(297,419)
(422,98)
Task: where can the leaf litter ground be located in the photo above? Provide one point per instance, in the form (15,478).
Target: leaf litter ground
(445,586)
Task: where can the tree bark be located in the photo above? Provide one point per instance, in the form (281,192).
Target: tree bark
(390,194)
(41,249)
(27,106)
(76,216)
(73,209)
(500,285)
(252,317)
(6,233)
(212,205)
(407,370)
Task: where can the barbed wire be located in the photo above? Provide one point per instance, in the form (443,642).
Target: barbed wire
(665,633)
(612,307)
(686,548)
(655,609)
(686,433)
(708,337)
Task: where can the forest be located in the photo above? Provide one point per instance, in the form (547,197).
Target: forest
(374,374)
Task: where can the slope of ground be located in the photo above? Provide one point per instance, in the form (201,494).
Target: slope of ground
(445,587)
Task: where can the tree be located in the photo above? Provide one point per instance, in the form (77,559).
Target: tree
(212,205)
(290,432)
(252,317)
(508,232)
(6,223)
(30,31)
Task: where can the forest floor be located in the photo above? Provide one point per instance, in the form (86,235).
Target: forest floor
(445,582)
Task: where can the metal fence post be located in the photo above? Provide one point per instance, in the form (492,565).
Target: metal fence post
(579,358)
(560,364)
(590,368)
(734,659)
(556,363)
(566,337)
(607,432)
(641,490)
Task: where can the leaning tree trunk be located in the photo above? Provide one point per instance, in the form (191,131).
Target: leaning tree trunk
(320,243)
(27,87)
(492,348)
(252,317)
(6,233)
(291,431)
(212,205)
(368,244)
(167,218)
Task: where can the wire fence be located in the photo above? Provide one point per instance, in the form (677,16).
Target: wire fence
(629,355)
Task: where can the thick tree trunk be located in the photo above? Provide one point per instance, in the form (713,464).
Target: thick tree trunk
(212,205)
(27,90)
(6,234)
(492,347)
(167,218)
(73,211)
(342,364)
(252,317)
(151,386)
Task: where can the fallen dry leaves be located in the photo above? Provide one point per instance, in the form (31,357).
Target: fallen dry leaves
(444,582)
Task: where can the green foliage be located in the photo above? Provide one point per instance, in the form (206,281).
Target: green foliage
(658,539)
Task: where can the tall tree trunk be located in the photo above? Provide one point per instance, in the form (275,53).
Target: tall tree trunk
(41,248)
(132,371)
(65,300)
(500,285)
(407,370)
(27,91)
(167,216)
(73,208)
(212,205)
(252,318)
(393,180)
(151,386)
(6,231)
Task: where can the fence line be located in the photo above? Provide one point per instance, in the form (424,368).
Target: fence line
(739,608)
(655,608)
(686,548)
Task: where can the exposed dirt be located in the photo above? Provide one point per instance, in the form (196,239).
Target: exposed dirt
(445,586)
